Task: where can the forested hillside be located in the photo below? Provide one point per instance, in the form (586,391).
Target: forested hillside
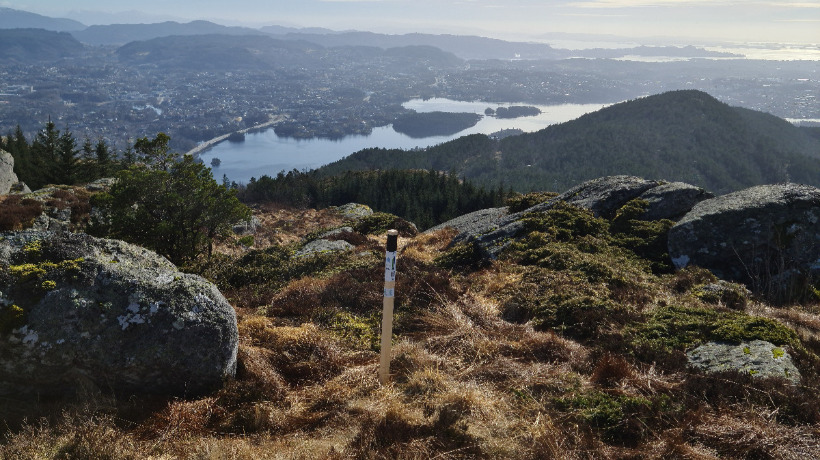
(37,45)
(426,198)
(681,135)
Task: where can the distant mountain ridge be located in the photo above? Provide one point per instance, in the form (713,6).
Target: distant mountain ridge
(120,34)
(463,46)
(17,19)
(684,135)
(232,52)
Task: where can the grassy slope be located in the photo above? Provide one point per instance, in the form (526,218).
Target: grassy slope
(550,352)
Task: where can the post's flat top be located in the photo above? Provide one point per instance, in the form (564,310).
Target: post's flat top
(392,233)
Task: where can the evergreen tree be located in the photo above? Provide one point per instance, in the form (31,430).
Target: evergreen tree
(67,165)
(177,211)
(129,156)
(44,155)
(156,152)
(102,156)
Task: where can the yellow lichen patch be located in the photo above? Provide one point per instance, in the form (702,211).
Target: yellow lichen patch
(29,271)
(33,248)
(48,285)
(25,272)
(11,318)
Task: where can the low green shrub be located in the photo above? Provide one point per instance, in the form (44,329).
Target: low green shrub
(463,257)
(380,222)
(622,419)
(673,329)
(519,202)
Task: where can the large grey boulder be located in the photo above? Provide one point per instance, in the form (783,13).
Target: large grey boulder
(7,176)
(78,311)
(672,201)
(603,196)
(766,236)
(354,211)
(323,246)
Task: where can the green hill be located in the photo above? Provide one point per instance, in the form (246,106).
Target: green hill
(680,135)
(37,45)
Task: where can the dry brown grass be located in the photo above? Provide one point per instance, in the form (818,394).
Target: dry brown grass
(469,378)
(282,225)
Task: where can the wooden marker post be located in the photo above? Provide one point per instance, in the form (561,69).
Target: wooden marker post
(387,309)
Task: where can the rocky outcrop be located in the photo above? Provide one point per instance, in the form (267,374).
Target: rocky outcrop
(492,229)
(354,211)
(78,311)
(603,196)
(767,237)
(475,223)
(323,246)
(672,201)
(7,176)
(757,358)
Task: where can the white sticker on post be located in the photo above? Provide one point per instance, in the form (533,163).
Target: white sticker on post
(389,292)
(390,266)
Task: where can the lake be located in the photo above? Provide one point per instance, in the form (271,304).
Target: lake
(265,153)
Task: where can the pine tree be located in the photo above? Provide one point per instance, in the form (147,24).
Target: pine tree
(67,168)
(103,158)
(44,154)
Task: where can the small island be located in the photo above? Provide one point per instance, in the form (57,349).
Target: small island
(517,111)
(418,125)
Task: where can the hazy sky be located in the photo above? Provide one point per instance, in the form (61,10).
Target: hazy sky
(795,21)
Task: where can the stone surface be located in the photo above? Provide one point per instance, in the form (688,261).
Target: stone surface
(764,235)
(672,201)
(336,231)
(78,311)
(603,196)
(474,223)
(248,227)
(19,188)
(322,246)
(354,210)
(103,184)
(7,175)
(757,358)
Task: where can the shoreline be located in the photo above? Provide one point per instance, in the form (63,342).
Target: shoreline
(210,143)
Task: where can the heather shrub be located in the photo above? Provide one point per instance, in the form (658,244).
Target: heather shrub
(17,213)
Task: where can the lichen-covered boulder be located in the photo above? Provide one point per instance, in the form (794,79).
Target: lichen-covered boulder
(757,358)
(354,210)
(603,196)
(77,310)
(323,246)
(672,201)
(767,237)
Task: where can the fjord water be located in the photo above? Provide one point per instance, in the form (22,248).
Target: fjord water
(265,153)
